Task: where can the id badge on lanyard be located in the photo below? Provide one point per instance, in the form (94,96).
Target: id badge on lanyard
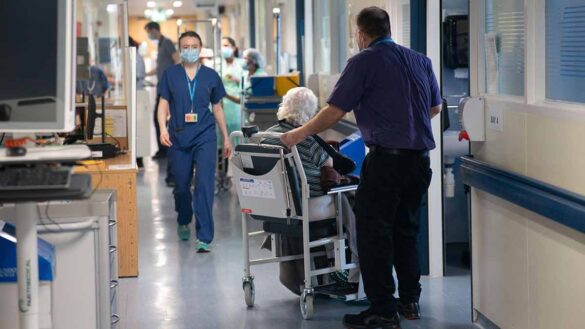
(191,117)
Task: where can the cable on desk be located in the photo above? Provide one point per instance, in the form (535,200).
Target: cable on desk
(51,220)
(119,145)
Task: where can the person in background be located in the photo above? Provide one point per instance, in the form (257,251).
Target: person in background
(394,94)
(167,57)
(232,76)
(140,67)
(188,91)
(253,65)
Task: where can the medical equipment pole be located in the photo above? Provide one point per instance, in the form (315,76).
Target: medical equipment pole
(27,264)
(244,121)
(276,12)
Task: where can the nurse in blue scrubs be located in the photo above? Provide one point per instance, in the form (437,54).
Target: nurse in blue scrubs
(191,96)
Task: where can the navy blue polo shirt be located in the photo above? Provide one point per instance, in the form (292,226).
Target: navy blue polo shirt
(391,90)
(174,87)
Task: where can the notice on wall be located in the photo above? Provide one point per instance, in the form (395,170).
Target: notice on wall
(495,117)
(257,188)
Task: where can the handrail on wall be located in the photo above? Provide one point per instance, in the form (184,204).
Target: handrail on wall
(562,206)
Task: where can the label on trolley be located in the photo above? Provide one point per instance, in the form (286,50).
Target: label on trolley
(246,211)
(257,188)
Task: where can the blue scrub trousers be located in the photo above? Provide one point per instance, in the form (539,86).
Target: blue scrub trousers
(202,157)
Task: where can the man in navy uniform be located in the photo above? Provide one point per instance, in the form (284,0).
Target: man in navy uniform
(394,95)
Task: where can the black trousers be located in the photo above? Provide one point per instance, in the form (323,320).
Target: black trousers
(387,207)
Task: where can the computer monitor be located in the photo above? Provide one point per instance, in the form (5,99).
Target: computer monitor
(37,66)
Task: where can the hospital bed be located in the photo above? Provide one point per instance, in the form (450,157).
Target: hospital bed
(272,188)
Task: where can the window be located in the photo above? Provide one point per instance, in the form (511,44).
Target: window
(329,36)
(505,47)
(565,50)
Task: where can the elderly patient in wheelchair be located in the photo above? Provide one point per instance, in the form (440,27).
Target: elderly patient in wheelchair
(298,106)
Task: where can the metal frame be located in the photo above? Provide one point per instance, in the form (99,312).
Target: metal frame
(338,240)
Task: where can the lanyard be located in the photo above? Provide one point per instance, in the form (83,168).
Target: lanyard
(385,40)
(192,89)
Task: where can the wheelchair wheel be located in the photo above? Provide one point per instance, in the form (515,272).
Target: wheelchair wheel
(227,183)
(306,304)
(249,293)
(217,189)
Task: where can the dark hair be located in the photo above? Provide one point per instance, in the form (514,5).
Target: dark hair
(152,26)
(190,34)
(133,42)
(233,43)
(374,22)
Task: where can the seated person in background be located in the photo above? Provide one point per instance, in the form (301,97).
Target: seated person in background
(298,106)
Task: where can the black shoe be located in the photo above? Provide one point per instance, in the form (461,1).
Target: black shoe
(170,183)
(139,162)
(410,311)
(371,320)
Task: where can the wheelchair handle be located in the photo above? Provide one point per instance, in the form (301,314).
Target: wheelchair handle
(262,134)
(267,134)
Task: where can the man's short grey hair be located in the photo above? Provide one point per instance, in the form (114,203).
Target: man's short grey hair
(298,106)
(255,57)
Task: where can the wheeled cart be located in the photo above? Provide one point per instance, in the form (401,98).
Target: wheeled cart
(272,188)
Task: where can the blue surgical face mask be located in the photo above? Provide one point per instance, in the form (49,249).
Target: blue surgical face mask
(245,66)
(190,55)
(227,52)
(151,37)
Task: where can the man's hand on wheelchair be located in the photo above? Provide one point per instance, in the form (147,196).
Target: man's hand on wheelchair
(292,137)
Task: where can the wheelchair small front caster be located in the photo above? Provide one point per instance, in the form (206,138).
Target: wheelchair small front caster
(306,303)
(227,183)
(249,291)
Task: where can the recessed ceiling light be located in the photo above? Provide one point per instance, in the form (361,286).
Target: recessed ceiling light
(169,12)
(111,8)
(150,4)
(148,13)
(177,4)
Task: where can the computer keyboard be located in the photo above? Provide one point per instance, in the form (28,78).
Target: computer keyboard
(34,178)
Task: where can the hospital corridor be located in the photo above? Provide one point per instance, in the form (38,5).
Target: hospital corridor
(180,289)
(284,164)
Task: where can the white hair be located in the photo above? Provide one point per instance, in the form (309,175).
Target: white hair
(255,57)
(298,106)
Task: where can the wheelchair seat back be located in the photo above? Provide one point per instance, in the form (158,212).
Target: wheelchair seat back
(267,181)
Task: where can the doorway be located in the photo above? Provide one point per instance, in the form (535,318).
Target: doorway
(455,85)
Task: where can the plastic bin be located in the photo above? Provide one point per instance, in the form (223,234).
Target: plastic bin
(286,82)
(262,86)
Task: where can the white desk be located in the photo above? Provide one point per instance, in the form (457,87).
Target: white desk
(27,216)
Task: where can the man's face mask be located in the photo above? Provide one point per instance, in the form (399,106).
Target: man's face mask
(359,37)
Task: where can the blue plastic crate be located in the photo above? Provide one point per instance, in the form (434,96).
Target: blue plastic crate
(354,147)
(262,106)
(262,86)
(8,256)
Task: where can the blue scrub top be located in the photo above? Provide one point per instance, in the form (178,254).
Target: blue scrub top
(391,90)
(209,90)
